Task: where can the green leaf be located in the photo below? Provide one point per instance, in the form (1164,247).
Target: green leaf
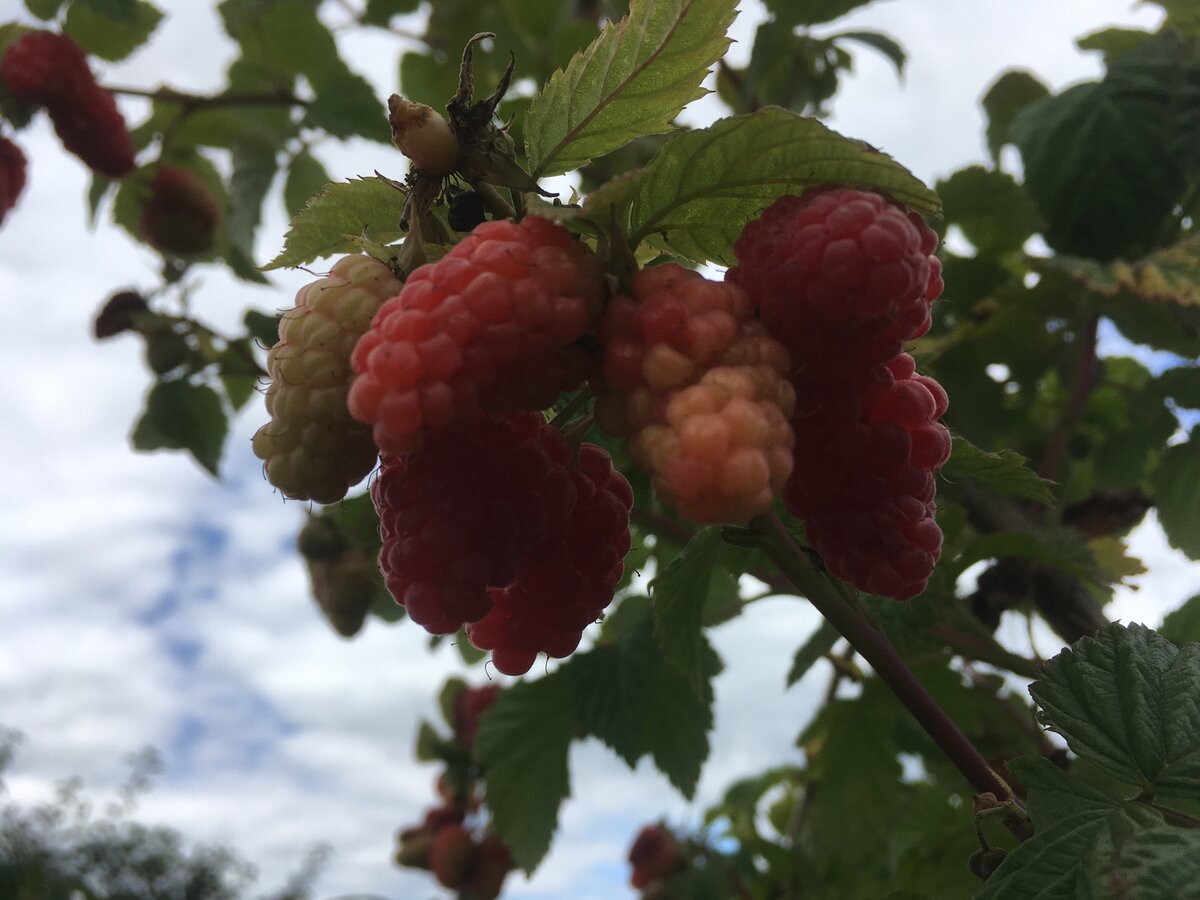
(1104,161)
(811,12)
(380,12)
(679,722)
(993,211)
(346,106)
(1052,865)
(631,81)
(254,167)
(1182,384)
(1128,700)
(44,9)
(1005,473)
(183,416)
(1062,549)
(111,30)
(261,327)
(1114,42)
(880,42)
(1181,14)
(697,194)
(522,743)
(1012,92)
(1054,795)
(305,178)
(1176,492)
(341,212)
(818,644)
(609,693)
(1182,626)
(1159,863)
(696,577)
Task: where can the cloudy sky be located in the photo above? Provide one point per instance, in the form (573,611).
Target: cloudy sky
(143,603)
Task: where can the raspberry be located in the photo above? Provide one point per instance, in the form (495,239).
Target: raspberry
(12,176)
(469,705)
(182,214)
(460,516)
(311,448)
(843,277)
(452,856)
(865,451)
(51,70)
(89,125)
(41,67)
(654,855)
(493,324)
(492,865)
(119,314)
(569,581)
(700,390)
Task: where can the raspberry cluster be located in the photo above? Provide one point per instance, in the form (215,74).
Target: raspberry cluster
(450,841)
(492,526)
(51,70)
(12,176)
(844,278)
(182,214)
(492,325)
(311,448)
(700,389)
(567,583)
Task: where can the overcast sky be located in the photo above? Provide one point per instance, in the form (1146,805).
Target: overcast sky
(143,603)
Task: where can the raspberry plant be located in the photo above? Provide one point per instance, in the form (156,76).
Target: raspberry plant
(884,398)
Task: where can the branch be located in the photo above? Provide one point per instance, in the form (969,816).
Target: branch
(199,101)
(870,643)
(1084,379)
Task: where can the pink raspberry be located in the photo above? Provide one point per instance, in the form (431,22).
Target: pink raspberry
(492,325)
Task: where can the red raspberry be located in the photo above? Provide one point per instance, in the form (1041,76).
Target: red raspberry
(40,67)
(562,588)
(460,516)
(12,176)
(452,856)
(843,277)
(492,865)
(311,448)
(89,125)
(700,390)
(493,324)
(52,70)
(469,705)
(865,451)
(182,214)
(654,855)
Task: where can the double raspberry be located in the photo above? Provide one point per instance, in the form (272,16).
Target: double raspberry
(311,448)
(51,70)
(492,325)
(844,278)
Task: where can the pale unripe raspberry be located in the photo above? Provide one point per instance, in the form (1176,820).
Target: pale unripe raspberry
(700,390)
(424,136)
(312,448)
